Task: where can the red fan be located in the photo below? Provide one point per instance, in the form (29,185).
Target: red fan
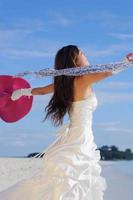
(12,111)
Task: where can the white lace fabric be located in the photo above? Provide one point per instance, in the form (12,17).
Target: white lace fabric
(116,67)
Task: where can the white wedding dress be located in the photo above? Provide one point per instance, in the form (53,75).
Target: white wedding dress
(70,169)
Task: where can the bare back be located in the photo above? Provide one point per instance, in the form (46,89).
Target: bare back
(81,90)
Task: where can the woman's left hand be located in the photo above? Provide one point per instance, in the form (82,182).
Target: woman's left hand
(16,95)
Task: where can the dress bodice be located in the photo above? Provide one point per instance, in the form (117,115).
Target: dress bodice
(78,131)
(81,111)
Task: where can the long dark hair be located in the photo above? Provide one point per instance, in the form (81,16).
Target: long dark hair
(61,101)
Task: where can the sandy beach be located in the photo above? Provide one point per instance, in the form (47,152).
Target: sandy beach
(119,175)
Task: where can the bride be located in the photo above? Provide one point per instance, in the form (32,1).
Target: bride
(71,169)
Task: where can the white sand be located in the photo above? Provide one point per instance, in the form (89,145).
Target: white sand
(120,184)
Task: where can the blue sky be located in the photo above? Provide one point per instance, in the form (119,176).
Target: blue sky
(30,34)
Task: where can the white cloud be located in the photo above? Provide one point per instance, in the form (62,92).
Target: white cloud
(111,20)
(107,124)
(111,97)
(102,15)
(60,20)
(23,53)
(113,126)
(31,25)
(19,41)
(121,130)
(109,50)
(18,143)
(115,20)
(24,25)
(122,36)
(18,44)
(23,137)
(11,37)
(115,85)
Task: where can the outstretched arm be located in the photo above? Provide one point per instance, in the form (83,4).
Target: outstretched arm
(43,90)
(95,77)
(32,91)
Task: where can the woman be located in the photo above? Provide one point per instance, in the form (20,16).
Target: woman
(71,170)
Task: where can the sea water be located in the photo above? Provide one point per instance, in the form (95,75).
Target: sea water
(119,178)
